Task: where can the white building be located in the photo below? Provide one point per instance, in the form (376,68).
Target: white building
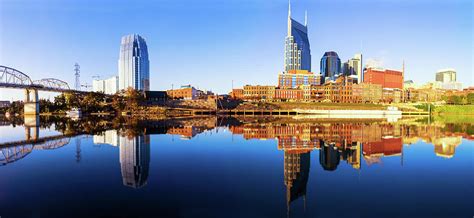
(446,75)
(109,137)
(108,86)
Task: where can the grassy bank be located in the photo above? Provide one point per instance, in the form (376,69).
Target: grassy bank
(454,109)
(452,118)
(311,106)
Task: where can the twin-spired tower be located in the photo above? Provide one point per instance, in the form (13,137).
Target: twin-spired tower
(297,49)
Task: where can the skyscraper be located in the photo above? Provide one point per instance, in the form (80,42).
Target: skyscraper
(297,49)
(355,64)
(330,65)
(353,68)
(133,64)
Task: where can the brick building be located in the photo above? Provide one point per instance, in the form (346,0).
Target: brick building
(339,91)
(289,94)
(296,78)
(237,93)
(186,92)
(386,78)
(259,92)
(367,93)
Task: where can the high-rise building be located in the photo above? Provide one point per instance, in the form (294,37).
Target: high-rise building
(330,66)
(355,67)
(446,75)
(108,86)
(297,49)
(133,64)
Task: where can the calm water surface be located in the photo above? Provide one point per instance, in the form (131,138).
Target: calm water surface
(211,167)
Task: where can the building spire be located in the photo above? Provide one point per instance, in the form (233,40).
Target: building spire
(289,17)
(306,18)
(289,9)
(403,69)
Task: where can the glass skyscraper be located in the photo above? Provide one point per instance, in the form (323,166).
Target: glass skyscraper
(297,49)
(134,66)
(330,65)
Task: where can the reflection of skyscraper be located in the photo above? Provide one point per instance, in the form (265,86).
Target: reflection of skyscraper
(135,160)
(296,175)
(329,156)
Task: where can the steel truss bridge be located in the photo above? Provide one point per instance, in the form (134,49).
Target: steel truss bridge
(12,78)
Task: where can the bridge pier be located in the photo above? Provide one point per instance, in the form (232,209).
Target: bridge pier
(31,104)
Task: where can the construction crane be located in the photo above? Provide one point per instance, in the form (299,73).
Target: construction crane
(85,85)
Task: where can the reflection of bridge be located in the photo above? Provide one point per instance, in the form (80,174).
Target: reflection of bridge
(12,78)
(12,152)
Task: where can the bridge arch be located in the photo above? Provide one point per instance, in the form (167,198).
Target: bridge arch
(11,76)
(12,154)
(52,83)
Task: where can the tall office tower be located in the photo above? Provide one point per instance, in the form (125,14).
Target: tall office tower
(330,66)
(355,64)
(353,68)
(446,75)
(134,160)
(297,49)
(133,64)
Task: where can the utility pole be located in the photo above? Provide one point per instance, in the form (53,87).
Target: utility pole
(77,84)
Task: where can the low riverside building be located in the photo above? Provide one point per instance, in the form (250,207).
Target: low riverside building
(423,95)
(367,93)
(289,94)
(186,92)
(340,90)
(392,95)
(295,78)
(317,93)
(259,92)
(237,94)
(387,78)
(4,104)
(156,97)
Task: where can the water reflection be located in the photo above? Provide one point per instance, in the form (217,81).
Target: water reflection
(347,143)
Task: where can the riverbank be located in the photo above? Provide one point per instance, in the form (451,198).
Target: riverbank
(454,109)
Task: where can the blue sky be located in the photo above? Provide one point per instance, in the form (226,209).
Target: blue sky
(209,43)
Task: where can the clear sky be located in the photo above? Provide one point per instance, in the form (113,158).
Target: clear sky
(209,43)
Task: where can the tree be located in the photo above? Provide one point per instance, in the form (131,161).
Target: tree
(470,98)
(455,99)
(133,98)
(60,103)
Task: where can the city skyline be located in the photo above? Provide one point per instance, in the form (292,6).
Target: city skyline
(177,57)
